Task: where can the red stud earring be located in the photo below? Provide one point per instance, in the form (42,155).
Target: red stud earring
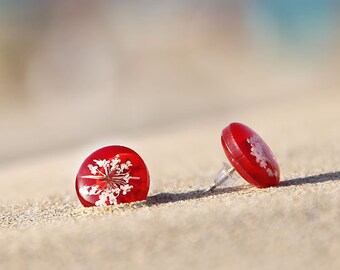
(249,155)
(112,175)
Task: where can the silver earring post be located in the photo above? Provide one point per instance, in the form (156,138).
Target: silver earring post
(224,176)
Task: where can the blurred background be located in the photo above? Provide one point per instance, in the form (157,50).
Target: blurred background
(74,71)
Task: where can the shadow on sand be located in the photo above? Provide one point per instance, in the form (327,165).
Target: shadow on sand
(325,177)
(164,198)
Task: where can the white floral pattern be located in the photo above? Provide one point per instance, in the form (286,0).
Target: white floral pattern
(261,155)
(116,177)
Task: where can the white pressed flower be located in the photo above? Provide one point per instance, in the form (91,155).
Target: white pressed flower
(127,178)
(115,174)
(84,191)
(260,154)
(89,190)
(114,163)
(101,163)
(126,189)
(123,167)
(257,151)
(270,172)
(93,169)
(128,163)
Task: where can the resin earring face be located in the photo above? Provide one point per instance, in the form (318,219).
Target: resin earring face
(249,155)
(112,175)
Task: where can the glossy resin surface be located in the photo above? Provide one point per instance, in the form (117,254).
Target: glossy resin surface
(250,155)
(112,175)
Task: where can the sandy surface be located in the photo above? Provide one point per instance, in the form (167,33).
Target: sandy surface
(293,226)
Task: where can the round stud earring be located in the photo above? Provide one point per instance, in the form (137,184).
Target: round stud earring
(112,175)
(249,155)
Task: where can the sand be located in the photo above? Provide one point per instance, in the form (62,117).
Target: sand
(292,226)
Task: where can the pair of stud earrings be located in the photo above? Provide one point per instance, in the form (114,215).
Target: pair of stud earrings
(117,174)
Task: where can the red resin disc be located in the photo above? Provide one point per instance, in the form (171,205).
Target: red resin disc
(250,156)
(112,175)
